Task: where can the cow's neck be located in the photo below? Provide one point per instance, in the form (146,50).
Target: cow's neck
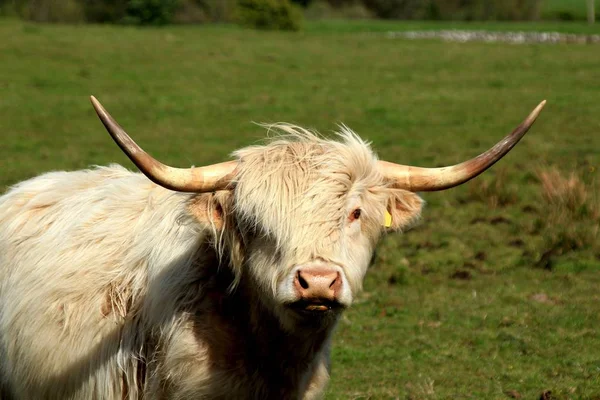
(283,358)
(299,343)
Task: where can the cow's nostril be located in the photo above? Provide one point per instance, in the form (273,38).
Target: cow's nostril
(302,281)
(333,282)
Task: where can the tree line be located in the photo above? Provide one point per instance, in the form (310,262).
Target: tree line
(276,14)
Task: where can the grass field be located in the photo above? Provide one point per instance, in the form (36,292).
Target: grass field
(494,295)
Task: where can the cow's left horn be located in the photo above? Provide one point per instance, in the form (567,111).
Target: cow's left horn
(198,179)
(418,179)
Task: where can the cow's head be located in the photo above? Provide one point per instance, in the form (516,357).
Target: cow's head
(300,216)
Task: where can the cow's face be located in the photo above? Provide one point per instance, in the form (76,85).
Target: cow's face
(309,213)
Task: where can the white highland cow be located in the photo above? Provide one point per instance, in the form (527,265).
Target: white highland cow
(216,282)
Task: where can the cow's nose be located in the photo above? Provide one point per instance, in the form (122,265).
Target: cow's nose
(318,284)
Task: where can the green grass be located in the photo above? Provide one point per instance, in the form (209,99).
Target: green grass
(495,291)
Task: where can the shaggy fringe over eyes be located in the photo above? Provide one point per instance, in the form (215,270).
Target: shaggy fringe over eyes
(308,172)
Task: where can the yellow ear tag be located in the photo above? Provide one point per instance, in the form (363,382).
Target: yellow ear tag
(388,219)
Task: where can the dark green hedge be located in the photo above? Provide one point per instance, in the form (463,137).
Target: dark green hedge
(269,14)
(263,14)
(447,9)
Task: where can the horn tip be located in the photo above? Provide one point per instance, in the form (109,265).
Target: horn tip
(536,111)
(98,107)
(541,105)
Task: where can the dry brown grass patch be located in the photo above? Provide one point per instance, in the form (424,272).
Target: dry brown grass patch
(569,194)
(570,214)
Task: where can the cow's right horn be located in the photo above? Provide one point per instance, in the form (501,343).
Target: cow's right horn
(417,179)
(197,179)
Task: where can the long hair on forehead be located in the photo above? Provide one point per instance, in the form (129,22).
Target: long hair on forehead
(296,186)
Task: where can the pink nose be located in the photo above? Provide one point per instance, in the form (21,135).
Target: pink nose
(318,284)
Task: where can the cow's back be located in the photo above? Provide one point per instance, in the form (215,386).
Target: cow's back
(74,248)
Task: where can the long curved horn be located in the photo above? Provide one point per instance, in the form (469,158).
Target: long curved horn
(198,179)
(417,179)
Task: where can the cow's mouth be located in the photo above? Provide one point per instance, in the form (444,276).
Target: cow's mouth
(313,307)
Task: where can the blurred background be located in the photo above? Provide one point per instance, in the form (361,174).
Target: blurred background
(495,294)
(288,14)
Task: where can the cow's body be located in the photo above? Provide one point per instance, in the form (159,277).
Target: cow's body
(113,287)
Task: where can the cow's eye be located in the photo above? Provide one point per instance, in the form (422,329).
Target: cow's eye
(355,214)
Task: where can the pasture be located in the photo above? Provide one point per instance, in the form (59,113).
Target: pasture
(493,295)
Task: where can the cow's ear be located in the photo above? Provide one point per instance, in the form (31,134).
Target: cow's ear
(211,208)
(404,209)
